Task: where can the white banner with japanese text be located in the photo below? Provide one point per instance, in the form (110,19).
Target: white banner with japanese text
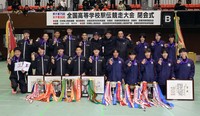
(114,18)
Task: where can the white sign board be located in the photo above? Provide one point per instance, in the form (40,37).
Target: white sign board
(180,89)
(113,18)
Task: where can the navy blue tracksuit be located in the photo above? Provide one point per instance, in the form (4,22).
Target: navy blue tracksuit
(165,71)
(185,70)
(123,45)
(148,71)
(43,43)
(132,72)
(85,45)
(116,70)
(70,45)
(139,49)
(157,49)
(172,52)
(54,47)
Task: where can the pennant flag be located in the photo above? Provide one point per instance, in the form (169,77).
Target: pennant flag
(178,34)
(10,39)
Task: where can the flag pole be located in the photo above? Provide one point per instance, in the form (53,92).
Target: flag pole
(175,31)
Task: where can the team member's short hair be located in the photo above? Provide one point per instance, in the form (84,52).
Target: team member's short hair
(147,50)
(183,50)
(164,50)
(17,48)
(142,35)
(115,50)
(171,36)
(60,47)
(132,53)
(56,31)
(159,33)
(26,31)
(41,47)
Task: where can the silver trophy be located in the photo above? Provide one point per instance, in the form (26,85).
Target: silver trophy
(57,87)
(41,86)
(84,88)
(69,87)
(150,90)
(113,87)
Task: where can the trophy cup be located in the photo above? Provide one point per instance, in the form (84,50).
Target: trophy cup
(113,87)
(41,86)
(150,90)
(57,87)
(132,86)
(84,87)
(69,87)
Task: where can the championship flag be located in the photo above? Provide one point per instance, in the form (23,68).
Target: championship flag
(178,34)
(10,39)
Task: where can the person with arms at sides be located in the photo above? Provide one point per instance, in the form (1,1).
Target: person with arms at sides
(132,69)
(108,45)
(165,70)
(115,67)
(54,43)
(148,68)
(85,45)
(16,77)
(41,62)
(171,47)
(44,41)
(78,63)
(96,64)
(70,43)
(140,47)
(157,46)
(96,42)
(185,68)
(60,63)
(123,44)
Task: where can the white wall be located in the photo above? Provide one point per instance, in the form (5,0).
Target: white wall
(3,2)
